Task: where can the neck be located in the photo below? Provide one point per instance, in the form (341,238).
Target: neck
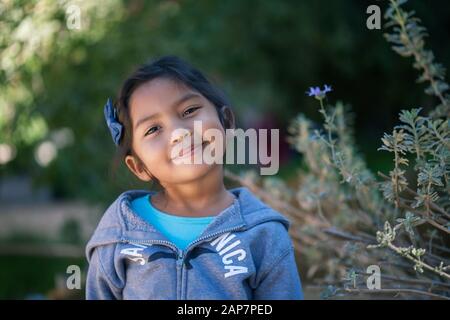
(205,196)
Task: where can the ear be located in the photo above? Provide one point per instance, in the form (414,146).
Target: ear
(228,117)
(137,168)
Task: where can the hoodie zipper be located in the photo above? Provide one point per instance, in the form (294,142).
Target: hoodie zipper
(172,246)
(181,254)
(211,235)
(169,244)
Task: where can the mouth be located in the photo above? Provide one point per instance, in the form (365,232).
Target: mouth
(191,150)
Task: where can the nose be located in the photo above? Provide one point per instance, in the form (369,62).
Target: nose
(179,134)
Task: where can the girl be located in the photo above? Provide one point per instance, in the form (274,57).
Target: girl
(194,239)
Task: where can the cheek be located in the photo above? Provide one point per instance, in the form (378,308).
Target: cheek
(215,133)
(210,120)
(153,151)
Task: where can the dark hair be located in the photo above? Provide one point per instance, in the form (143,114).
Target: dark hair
(169,67)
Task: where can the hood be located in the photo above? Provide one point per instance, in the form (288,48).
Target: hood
(120,222)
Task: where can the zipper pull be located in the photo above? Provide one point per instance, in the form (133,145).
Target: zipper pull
(180,259)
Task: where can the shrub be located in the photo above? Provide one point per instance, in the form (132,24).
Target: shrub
(345,218)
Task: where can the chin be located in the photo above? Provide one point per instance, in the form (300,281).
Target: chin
(183,173)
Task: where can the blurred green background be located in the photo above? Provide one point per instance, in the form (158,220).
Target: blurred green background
(56,151)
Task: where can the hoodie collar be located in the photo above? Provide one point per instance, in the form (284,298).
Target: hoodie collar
(121,223)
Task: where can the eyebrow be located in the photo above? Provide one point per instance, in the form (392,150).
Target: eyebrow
(184,98)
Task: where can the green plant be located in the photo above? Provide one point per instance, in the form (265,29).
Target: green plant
(398,221)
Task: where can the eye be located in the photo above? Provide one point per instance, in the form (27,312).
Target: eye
(190,110)
(151,130)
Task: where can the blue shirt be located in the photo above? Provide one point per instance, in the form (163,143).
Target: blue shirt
(179,230)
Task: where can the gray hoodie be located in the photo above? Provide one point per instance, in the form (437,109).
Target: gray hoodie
(244,253)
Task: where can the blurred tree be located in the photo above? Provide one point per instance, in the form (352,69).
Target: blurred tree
(55,80)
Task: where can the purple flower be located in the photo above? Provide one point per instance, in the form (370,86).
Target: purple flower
(316,92)
(115,127)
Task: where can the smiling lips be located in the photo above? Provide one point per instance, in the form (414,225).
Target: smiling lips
(188,151)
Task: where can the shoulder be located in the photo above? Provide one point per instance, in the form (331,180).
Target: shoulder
(269,242)
(267,230)
(271,236)
(117,213)
(117,218)
(257,213)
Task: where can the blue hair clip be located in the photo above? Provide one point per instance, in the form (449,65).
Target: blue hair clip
(115,127)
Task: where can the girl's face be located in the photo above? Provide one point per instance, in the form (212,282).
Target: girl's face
(157,109)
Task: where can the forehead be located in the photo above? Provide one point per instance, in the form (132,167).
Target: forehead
(156,96)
